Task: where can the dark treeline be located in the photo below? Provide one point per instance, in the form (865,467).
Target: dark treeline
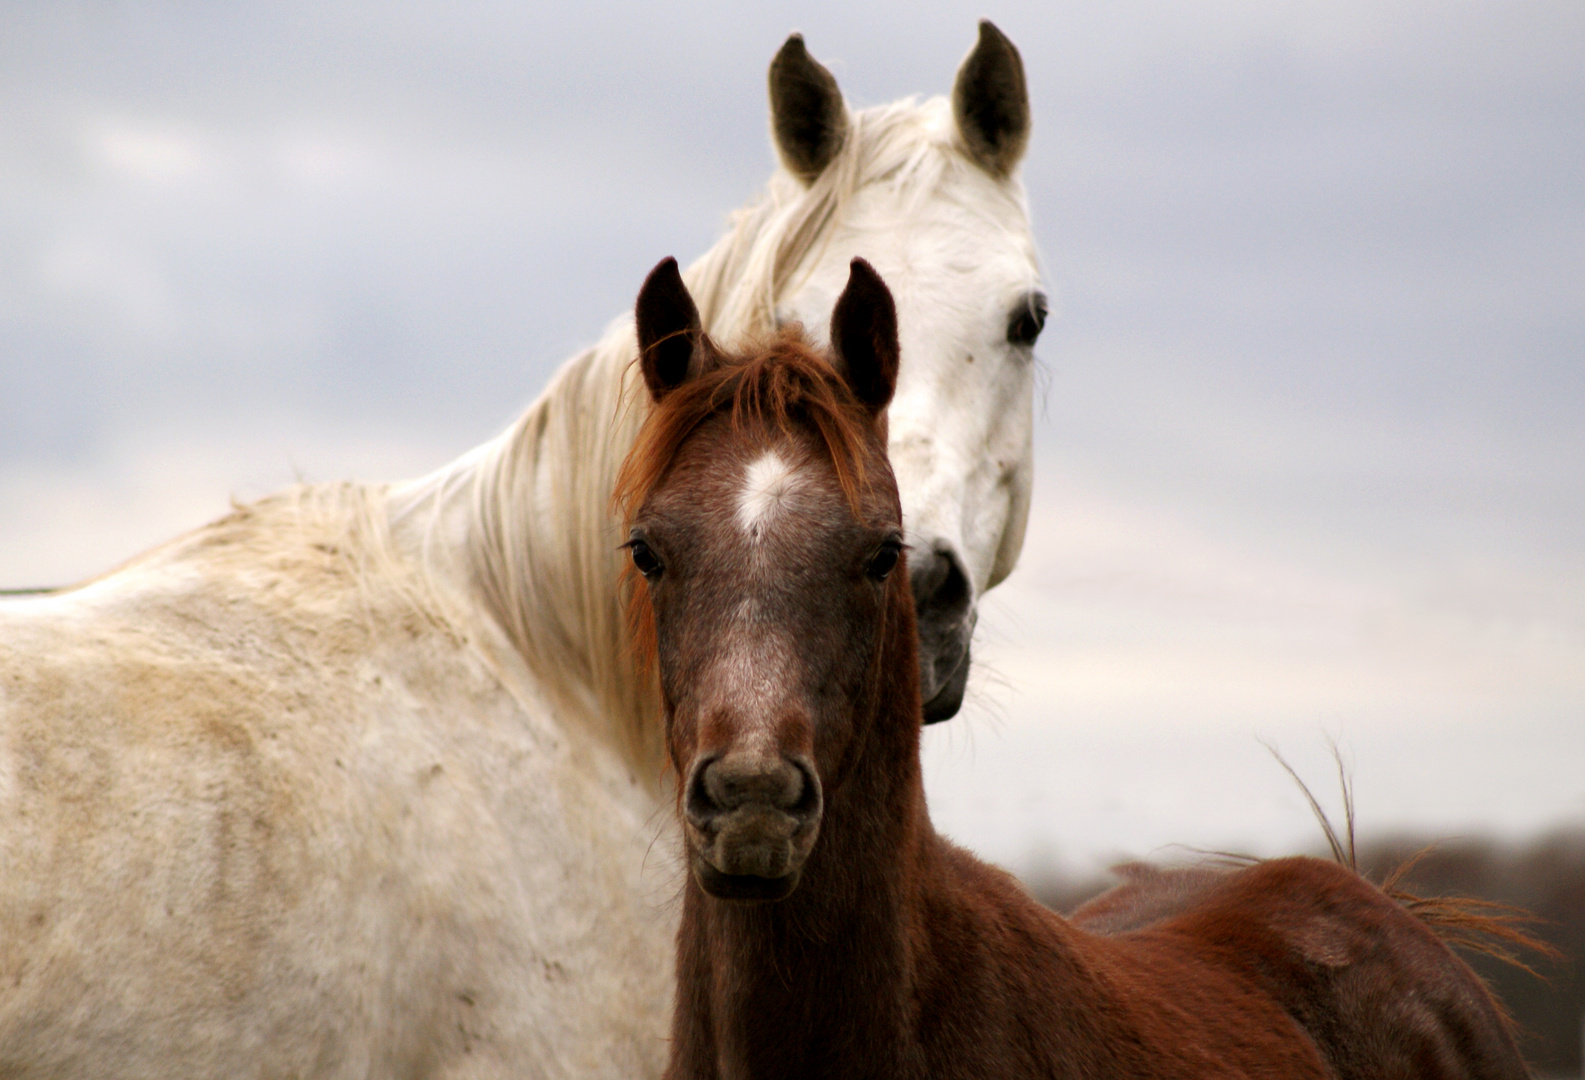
(1546,877)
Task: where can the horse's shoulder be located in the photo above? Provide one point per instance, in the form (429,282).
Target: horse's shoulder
(1320,910)
(1376,987)
(1308,909)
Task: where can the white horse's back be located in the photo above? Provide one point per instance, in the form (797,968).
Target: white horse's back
(266,813)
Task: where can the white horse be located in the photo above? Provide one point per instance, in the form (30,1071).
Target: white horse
(360,781)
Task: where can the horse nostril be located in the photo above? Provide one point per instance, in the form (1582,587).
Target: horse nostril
(809,801)
(699,807)
(944,601)
(942,592)
(721,785)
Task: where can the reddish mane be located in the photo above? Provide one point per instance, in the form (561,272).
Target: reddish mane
(771,388)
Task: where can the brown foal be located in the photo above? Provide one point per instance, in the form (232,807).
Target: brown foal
(827,930)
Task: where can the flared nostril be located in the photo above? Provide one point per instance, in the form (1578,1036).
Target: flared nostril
(721,785)
(942,592)
(944,602)
(809,801)
(698,806)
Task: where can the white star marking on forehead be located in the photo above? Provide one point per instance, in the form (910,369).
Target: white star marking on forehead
(766,483)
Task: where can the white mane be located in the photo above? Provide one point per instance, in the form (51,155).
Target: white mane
(551,581)
(907,145)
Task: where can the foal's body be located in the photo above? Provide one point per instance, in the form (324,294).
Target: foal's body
(1294,968)
(828,930)
(1373,986)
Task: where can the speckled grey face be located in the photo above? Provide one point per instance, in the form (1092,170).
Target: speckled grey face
(766,591)
(767,538)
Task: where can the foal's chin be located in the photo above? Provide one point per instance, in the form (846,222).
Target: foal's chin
(754,853)
(743,888)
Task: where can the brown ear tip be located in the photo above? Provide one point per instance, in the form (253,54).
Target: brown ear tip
(663,271)
(861,272)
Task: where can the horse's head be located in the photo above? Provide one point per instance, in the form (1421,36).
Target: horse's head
(928,194)
(765,526)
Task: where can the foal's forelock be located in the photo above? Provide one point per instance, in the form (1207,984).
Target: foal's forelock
(773,391)
(768,398)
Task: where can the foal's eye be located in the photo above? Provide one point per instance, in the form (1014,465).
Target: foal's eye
(884,561)
(1028,320)
(645,559)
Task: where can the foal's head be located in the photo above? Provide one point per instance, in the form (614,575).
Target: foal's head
(766,528)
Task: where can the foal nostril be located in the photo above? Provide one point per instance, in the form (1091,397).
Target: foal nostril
(724,784)
(734,781)
(698,806)
(809,801)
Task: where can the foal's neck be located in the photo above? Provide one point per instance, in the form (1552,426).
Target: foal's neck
(819,982)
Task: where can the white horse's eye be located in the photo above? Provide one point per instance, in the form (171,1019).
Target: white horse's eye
(1027,320)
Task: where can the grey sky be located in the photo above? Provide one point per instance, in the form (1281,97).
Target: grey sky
(1311,448)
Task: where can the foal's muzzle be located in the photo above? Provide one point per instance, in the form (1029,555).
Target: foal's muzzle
(751,820)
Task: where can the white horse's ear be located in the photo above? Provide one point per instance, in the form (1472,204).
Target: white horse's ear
(808,117)
(670,339)
(864,336)
(990,102)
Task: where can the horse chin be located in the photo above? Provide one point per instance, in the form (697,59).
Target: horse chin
(743,888)
(948,697)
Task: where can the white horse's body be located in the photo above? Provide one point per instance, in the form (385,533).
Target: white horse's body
(359,781)
(266,817)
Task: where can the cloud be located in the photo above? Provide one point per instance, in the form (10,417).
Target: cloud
(63,523)
(1311,445)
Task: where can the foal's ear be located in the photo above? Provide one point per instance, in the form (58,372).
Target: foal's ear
(807,114)
(864,336)
(669,335)
(991,102)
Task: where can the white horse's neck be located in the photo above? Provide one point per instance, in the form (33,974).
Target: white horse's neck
(522,528)
(523,524)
